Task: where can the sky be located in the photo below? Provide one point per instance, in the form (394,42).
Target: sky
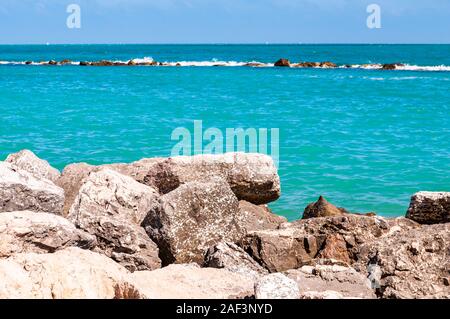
(224,21)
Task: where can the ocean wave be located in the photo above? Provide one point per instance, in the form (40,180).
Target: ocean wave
(214,63)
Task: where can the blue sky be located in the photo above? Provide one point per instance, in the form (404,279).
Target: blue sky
(224,21)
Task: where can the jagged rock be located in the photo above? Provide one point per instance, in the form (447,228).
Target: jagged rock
(193,218)
(71,180)
(231,257)
(335,247)
(298,243)
(25,232)
(65,274)
(322,208)
(328,64)
(29,162)
(345,281)
(258,217)
(276,286)
(283,62)
(409,263)
(112,206)
(189,281)
(430,207)
(252,177)
(20,190)
(102,63)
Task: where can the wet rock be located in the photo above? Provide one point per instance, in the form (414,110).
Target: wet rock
(112,206)
(231,257)
(314,281)
(252,177)
(28,62)
(52,62)
(189,281)
(84,63)
(25,232)
(391,66)
(20,190)
(29,162)
(322,208)
(102,63)
(65,274)
(258,217)
(65,61)
(430,207)
(276,286)
(328,64)
(283,63)
(193,218)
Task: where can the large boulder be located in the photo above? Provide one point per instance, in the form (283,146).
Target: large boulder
(338,237)
(409,263)
(345,281)
(112,207)
(252,177)
(21,190)
(71,180)
(189,281)
(29,162)
(231,257)
(65,274)
(322,208)
(276,286)
(258,217)
(283,63)
(25,232)
(192,218)
(430,207)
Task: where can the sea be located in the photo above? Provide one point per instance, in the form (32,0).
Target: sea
(364,138)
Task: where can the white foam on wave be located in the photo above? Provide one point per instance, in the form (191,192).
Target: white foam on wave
(215,62)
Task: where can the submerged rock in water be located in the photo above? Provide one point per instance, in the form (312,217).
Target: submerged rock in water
(429,207)
(29,162)
(192,218)
(112,206)
(322,208)
(21,190)
(283,62)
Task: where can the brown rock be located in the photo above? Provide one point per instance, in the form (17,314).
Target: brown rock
(112,206)
(258,217)
(189,281)
(29,162)
(283,62)
(65,61)
(335,247)
(231,257)
(408,263)
(322,208)
(84,63)
(193,218)
(328,65)
(52,62)
(21,190)
(430,207)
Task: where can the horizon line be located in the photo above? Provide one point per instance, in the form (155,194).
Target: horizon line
(233,43)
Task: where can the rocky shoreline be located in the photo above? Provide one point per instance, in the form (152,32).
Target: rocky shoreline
(199,227)
(279,63)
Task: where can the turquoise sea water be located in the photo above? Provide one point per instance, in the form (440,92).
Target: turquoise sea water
(365,139)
